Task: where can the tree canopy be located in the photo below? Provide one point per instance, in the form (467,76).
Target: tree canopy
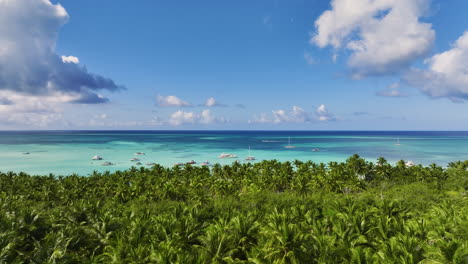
(268,212)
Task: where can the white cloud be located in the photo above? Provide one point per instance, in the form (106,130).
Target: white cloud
(28,61)
(32,111)
(322,114)
(205,117)
(96,123)
(393,90)
(212,102)
(101,116)
(447,73)
(296,115)
(260,119)
(70,59)
(383,36)
(180,117)
(171,100)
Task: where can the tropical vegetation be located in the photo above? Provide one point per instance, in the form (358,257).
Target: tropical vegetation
(268,212)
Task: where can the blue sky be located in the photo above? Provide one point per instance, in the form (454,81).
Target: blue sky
(285,64)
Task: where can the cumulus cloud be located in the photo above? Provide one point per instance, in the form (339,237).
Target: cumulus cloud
(296,115)
(322,114)
(171,100)
(262,118)
(32,110)
(447,73)
(205,117)
(181,117)
(28,61)
(212,102)
(393,90)
(382,36)
(70,59)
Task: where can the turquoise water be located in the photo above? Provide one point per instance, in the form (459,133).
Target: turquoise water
(66,152)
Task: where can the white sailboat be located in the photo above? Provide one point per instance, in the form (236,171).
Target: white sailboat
(95,157)
(250,157)
(289,144)
(398,141)
(226,155)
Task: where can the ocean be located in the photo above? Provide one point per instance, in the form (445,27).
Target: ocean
(67,152)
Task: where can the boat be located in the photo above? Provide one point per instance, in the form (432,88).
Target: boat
(107,163)
(138,163)
(315,149)
(97,157)
(270,141)
(226,155)
(409,163)
(289,144)
(205,163)
(191,162)
(250,157)
(398,141)
(179,164)
(139,153)
(26,153)
(151,164)
(134,159)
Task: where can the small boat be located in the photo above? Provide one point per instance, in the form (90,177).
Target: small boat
(226,155)
(270,141)
(134,159)
(398,142)
(191,162)
(315,149)
(179,164)
(151,164)
(205,163)
(107,163)
(250,157)
(409,163)
(138,163)
(289,146)
(97,157)
(139,153)
(26,153)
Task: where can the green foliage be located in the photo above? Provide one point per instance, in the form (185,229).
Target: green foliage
(268,212)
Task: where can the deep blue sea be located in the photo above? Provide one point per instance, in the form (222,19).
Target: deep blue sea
(66,152)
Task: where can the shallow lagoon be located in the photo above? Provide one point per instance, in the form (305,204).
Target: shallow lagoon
(66,152)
